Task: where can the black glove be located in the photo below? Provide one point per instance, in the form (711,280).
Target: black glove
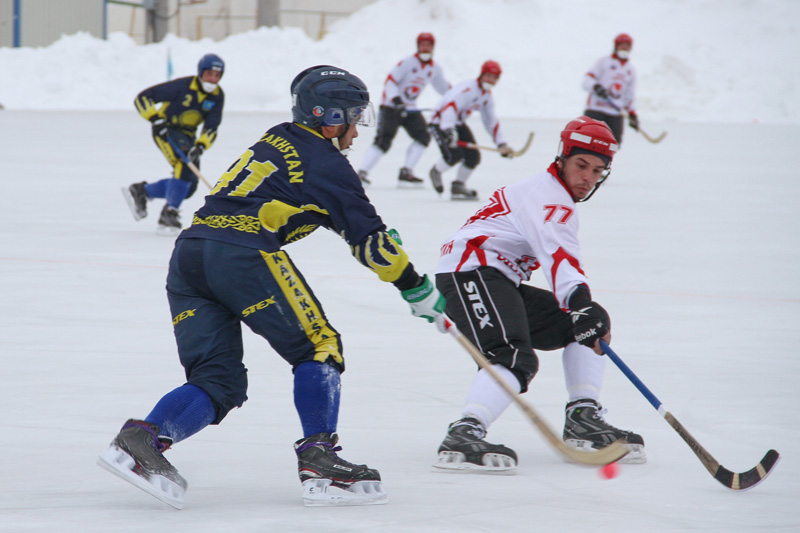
(400,106)
(160,127)
(633,120)
(600,91)
(195,152)
(590,321)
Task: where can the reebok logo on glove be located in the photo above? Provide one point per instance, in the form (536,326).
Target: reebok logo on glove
(585,335)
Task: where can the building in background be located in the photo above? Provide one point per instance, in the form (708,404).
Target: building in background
(41,22)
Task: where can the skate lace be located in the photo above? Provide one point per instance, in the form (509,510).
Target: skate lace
(329,448)
(158,444)
(599,412)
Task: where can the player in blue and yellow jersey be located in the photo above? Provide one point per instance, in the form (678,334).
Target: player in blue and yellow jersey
(230,268)
(186,103)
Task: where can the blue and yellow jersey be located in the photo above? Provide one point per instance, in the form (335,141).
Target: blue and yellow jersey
(289,183)
(185,106)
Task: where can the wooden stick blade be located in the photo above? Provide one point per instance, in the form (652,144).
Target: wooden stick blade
(527,145)
(654,140)
(751,478)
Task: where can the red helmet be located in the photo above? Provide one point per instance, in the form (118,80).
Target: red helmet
(588,135)
(492,67)
(622,38)
(425,36)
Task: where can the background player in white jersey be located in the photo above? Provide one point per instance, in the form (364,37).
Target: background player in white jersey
(612,88)
(448,126)
(481,273)
(398,108)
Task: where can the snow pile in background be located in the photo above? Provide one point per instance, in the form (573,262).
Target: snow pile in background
(699,60)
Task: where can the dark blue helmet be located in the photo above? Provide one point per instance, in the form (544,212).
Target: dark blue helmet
(210,62)
(325,95)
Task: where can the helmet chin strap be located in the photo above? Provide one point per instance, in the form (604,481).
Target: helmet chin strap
(560,167)
(335,141)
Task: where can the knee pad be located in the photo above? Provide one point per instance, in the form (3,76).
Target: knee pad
(383,141)
(472,159)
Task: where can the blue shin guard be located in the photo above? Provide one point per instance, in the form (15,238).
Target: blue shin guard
(176,192)
(182,412)
(317,388)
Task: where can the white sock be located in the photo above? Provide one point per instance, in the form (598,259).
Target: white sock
(583,372)
(442,166)
(413,154)
(486,399)
(371,158)
(463,173)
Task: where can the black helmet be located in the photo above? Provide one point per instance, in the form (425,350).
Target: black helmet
(325,95)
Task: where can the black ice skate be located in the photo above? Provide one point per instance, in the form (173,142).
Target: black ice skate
(464,450)
(459,191)
(436,179)
(169,222)
(362,175)
(586,430)
(330,480)
(407,179)
(136,455)
(136,198)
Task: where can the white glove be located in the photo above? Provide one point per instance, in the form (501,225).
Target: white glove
(426,302)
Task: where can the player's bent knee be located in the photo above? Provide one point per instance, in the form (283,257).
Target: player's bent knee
(472,159)
(384,142)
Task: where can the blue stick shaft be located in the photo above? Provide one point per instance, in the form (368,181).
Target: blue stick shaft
(655,402)
(177,149)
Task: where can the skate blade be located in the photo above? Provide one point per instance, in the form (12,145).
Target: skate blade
(493,463)
(636,454)
(168,231)
(126,193)
(320,493)
(464,198)
(410,185)
(119,463)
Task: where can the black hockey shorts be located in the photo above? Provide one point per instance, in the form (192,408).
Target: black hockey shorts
(614,122)
(179,169)
(390,120)
(452,155)
(213,287)
(504,321)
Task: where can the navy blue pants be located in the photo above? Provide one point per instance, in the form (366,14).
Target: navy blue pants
(213,287)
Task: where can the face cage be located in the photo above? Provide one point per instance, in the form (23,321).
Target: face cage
(360,115)
(597,185)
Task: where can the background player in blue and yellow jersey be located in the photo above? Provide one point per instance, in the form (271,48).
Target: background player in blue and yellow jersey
(229,267)
(186,103)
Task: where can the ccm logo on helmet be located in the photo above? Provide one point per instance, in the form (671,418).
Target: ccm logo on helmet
(332,73)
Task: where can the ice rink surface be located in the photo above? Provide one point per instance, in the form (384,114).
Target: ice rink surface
(692,246)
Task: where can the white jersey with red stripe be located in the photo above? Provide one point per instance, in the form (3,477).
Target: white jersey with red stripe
(458,103)
(524,226)
(618,77)
(408,79)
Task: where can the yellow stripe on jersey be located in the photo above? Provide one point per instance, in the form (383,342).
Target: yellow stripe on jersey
(325,340)
(275,214)
(383,255)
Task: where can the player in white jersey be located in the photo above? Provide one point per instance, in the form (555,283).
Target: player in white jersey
(448,126)
(611,84)
(398,108)
(482,273)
